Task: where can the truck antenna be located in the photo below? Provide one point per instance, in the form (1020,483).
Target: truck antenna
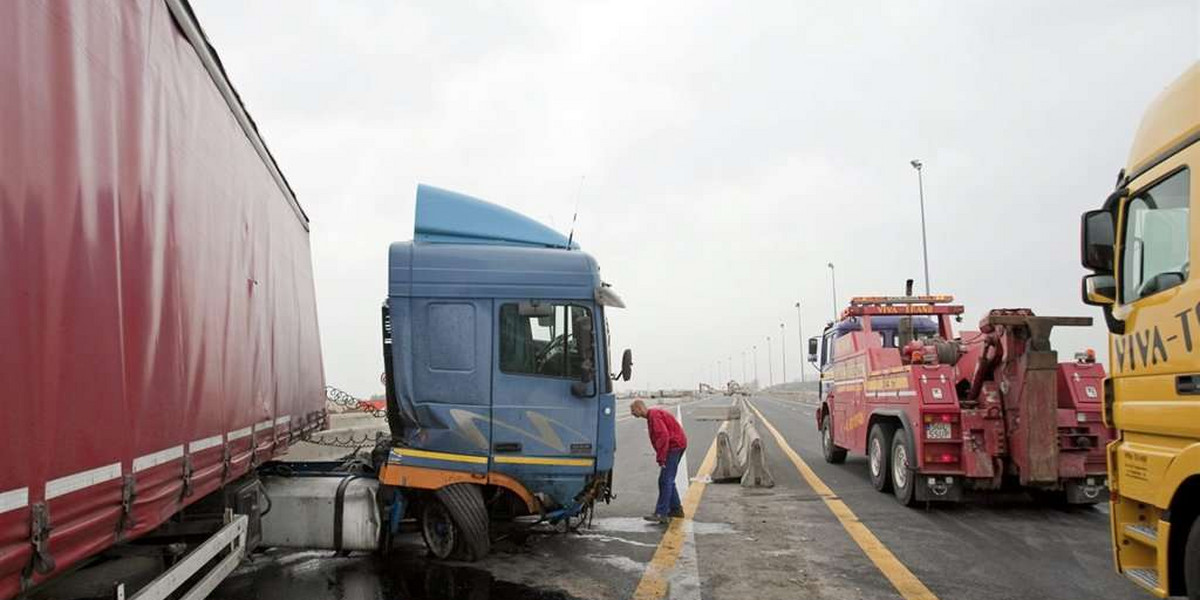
(578,197)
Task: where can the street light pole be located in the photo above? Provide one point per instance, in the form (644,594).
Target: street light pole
(770,371)
(800,334)
(783,350)
(743,366)
(917,164)
(755,349)
(833,285)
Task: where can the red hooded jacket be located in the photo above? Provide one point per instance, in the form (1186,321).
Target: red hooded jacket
(665,433)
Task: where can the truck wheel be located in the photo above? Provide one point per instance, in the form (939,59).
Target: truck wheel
(904,480)
(1191,562)
(879,452)
(464,501)
(438,530)
(833,454)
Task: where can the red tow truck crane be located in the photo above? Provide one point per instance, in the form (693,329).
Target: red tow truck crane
(938,414)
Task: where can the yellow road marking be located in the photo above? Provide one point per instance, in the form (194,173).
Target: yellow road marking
(904,581)
(541,460)
(653,584)
(467,458)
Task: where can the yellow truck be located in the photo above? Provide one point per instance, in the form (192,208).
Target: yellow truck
(1138,249)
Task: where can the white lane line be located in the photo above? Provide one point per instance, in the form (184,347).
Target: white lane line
(685,577)
(14,499)
(77,481)
(154,459)
(681,474)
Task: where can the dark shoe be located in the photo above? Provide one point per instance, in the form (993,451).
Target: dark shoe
(677,513)
(661,520)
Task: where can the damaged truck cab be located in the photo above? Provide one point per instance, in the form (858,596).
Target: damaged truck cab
(498,372)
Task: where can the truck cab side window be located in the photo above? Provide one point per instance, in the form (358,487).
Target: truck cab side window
(827,350)
(545,345)
(608,378)
(1155,252)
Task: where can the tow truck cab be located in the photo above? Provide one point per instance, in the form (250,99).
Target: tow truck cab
(877,400)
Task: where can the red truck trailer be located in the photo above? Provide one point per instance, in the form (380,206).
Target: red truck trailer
(937,414)
(158,329)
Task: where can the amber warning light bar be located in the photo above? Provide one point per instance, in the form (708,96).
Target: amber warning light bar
(902,305)
(935,299)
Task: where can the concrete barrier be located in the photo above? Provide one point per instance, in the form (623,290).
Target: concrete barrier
(740,454)
(726,469)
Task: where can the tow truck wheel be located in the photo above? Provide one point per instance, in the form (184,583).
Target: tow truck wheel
(833,454)
(1191,562)
(903,478)
(438,529)
(879,450)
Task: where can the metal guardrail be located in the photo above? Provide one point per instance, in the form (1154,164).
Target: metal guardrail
(231,539)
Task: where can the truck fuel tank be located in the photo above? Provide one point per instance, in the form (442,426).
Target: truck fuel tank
(322,512)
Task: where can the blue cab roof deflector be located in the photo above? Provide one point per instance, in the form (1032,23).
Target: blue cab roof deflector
(452,218)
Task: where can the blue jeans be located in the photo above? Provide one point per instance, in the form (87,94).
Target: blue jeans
(668,496)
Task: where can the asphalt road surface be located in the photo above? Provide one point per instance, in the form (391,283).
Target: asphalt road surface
(742,543)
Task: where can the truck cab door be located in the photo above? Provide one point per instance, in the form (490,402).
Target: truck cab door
(544,432)
(1156,299)
(447,342)
(826,363)
(837,406)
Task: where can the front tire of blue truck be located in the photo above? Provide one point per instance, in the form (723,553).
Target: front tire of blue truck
(438,530)
(833,454)
(463,505)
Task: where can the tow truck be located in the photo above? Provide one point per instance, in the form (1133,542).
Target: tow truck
(938,414)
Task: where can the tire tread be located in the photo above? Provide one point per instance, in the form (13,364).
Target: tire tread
(467,509)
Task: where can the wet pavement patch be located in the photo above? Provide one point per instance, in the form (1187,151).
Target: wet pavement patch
(639,525)
(283,575)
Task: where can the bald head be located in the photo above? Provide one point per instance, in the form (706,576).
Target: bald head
(638,409)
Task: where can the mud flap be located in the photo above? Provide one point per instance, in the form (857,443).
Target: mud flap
(467,509)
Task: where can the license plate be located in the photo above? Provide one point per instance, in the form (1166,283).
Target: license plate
(937,431)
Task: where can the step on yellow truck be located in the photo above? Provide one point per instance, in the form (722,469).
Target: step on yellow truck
(1138,248)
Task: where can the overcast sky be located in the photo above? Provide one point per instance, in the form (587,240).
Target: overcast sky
(730,150)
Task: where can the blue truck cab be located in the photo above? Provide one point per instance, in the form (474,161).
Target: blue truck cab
(497,365)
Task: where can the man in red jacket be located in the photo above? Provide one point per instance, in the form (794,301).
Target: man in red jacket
(669,442)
